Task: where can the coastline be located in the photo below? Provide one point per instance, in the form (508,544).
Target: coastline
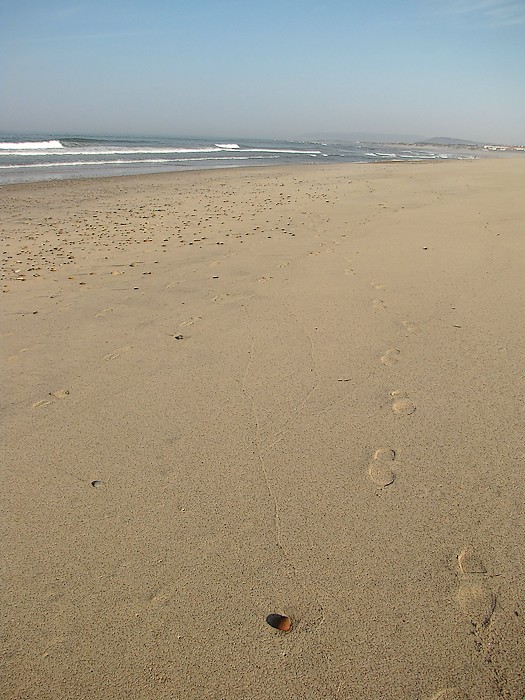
(32,159)
(281,389)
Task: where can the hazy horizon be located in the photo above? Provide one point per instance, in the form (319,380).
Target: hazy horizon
(281,70)
(351,137)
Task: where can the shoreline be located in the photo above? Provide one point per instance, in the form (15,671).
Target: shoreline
(92,157)
(238,392)
(242,168)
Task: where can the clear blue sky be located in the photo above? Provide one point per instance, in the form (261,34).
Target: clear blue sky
(269,68)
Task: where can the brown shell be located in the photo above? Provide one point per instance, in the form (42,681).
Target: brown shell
(280,622)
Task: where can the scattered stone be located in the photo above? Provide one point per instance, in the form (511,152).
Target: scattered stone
(279,622)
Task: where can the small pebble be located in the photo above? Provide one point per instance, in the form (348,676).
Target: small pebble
(279,622)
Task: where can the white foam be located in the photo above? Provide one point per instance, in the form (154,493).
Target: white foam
(101,151)
(229,146)
(29,145)
(281,150)
(128,162)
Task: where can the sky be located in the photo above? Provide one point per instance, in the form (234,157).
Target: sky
(264,68)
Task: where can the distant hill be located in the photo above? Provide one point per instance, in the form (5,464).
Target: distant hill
(367,137)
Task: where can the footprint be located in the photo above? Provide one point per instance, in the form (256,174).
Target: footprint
(160,598)
(18,356)
(191,321)
(449,694)
(116,353)
(59,393)
(477,602)
(349,270)
(470,563)
(41,403)
(411,327)
(390,357)
(103,312)
(380,470)
(402,405)
(474,596)
(378,305)
(377,285)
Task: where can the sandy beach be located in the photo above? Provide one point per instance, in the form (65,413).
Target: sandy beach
(292,390)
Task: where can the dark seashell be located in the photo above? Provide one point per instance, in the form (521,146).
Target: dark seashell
(280,622)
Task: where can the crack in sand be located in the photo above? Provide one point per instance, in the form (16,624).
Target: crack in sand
(258,449)
(300,406)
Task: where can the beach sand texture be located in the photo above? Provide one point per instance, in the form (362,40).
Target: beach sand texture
(235,393)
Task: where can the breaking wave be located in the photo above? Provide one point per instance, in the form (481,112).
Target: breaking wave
(29,145)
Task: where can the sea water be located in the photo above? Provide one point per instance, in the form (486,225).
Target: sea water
(33,158)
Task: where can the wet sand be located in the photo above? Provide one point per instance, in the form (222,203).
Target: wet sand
(242,392)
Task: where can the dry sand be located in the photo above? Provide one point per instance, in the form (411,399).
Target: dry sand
(243,392)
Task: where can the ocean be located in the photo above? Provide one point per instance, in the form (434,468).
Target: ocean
(34,158)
